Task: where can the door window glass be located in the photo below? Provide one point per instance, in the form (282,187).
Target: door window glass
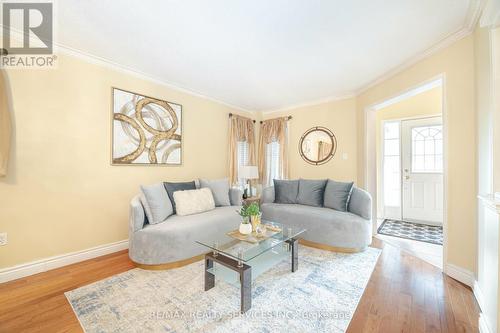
(427,149)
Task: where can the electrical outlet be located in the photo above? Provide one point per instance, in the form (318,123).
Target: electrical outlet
(3,238)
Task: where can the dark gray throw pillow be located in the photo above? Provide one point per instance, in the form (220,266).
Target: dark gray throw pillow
(173,187)
(311,192)
(337,195)
(286,191)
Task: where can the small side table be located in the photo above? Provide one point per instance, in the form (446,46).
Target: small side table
(251,200)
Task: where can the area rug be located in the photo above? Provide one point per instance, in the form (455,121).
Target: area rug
(321,296)
(416,231)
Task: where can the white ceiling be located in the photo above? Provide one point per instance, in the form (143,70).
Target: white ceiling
(260,55)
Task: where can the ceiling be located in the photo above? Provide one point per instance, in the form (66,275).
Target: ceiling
(260,55)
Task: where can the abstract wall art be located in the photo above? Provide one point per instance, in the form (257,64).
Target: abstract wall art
(146,131)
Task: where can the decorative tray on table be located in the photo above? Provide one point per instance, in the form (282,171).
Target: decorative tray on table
(254,237)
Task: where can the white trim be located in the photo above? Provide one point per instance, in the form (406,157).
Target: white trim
(478,294)
(312,103)
(491,14)
(370,170)
(460,274)
(483,324)
(471,20)
(483,321)
(43,265)
(103,62)
(438,82)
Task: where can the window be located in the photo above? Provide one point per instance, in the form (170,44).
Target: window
(273,161)
(243,157)
(392,165)
(427,149)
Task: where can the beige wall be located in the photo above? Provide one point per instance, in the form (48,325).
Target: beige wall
(456,62)
(61,193)
(340,118)
(428,103)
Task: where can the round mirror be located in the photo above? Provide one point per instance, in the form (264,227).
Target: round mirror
(317,145)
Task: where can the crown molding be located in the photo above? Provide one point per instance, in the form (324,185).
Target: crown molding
(90,58)
(444,43)
(311,103)
(103,62)
(491,14)
(471,19)
(470,22)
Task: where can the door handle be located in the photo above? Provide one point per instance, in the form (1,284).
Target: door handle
(407,177)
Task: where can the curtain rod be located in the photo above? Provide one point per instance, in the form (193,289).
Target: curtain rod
(230,115)
(288,118)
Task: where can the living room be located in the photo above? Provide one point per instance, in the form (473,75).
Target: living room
(213,167)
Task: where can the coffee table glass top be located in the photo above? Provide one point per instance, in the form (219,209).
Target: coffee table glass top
(245,251)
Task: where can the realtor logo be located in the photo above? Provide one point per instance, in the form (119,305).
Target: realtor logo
(27,30)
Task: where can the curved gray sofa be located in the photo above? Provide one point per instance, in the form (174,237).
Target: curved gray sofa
(351,230)
(175,238)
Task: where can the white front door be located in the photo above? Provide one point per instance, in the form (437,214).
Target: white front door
(422,164)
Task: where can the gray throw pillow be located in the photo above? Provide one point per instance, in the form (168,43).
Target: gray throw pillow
(311,192)
(337,195)
(156,203)
(286,191)
(220,190)
(172,187)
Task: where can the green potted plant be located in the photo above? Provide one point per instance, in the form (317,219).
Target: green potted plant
(245,226)
(254,212)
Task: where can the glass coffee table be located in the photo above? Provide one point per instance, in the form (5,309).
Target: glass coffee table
(238,261)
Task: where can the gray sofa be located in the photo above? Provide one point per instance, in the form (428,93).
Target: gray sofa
(351,230)
(175,238)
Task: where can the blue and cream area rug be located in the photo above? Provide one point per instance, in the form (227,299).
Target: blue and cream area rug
(320,297)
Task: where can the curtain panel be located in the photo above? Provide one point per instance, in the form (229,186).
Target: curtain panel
(5,128)
(273,130)
(240,129)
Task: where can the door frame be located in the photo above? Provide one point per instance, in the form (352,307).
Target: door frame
(380,160)
(369,153)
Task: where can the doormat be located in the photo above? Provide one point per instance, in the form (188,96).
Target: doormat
(416,231)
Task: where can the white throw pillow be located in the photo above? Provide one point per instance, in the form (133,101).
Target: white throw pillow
(193,201)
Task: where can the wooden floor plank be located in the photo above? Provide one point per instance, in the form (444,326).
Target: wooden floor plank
(404,294)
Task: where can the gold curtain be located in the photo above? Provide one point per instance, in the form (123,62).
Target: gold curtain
(5,128)
(240,129)
(270,131)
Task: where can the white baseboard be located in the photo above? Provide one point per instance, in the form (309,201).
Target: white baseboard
(43,265)
(458,273)
(479,295)
(483,325)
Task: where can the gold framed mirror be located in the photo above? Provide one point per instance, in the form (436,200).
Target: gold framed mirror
(317,145)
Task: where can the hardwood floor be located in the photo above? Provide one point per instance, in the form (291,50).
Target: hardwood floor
(404,294)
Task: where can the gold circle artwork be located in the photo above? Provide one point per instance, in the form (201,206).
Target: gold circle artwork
(145,130)
(317,145)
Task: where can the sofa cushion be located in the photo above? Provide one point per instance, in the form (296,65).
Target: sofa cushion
(286,191)
(311,192)
(337,195)
(193,201)
(220,190)
(175,239)
(322,225)
(172,187)
(157,205)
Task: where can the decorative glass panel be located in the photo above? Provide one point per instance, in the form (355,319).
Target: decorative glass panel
(242,147)
(427,149)
(272,161)
(392,165)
